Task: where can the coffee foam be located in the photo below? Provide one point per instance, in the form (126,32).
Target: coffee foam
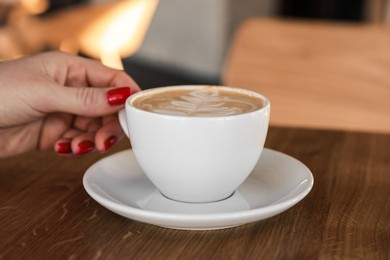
(208,101)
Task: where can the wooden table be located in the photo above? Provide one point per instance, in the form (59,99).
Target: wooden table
(46,214)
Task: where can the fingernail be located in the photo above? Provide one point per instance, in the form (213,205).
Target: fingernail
(85,147)
(118,96)
(63,148)
(109,142)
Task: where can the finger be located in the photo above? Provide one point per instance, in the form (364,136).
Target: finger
(89,102)
(53,127)
(87,124)
(83,143)
(93,73)
(72,133)
(78,71)
(109,134)
(63,145)
(92,89)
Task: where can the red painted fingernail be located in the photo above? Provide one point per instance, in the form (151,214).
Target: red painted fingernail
(109,142)
(85,147)
(63,148)
(118,96)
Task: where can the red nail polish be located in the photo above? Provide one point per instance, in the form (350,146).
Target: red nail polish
(63,148)
(85,147)
(109,142)
(118,96)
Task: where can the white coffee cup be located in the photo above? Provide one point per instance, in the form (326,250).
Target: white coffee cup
(196,159)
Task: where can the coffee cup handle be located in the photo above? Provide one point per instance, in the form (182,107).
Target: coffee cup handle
(123,121)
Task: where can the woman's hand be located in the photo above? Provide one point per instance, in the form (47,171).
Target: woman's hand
(55,100)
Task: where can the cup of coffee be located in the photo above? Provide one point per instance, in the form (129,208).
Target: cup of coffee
(196,144)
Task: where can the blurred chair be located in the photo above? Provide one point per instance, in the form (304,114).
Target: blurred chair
(316,74)
(378,11)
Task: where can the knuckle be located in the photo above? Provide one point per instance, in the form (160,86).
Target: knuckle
(86,97)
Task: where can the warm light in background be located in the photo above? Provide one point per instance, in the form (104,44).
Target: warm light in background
(35,6)
(119,32)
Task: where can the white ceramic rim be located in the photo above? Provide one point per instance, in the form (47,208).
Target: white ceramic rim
(164,88)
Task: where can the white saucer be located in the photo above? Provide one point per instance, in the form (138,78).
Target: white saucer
(277,183)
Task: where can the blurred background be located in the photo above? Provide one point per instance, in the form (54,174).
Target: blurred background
(159,42)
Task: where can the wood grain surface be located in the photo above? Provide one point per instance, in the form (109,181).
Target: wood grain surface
(316,74)
(46,214)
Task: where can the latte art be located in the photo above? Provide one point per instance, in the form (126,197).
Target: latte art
(209,101)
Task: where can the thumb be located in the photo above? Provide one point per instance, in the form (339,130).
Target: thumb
(89,101)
